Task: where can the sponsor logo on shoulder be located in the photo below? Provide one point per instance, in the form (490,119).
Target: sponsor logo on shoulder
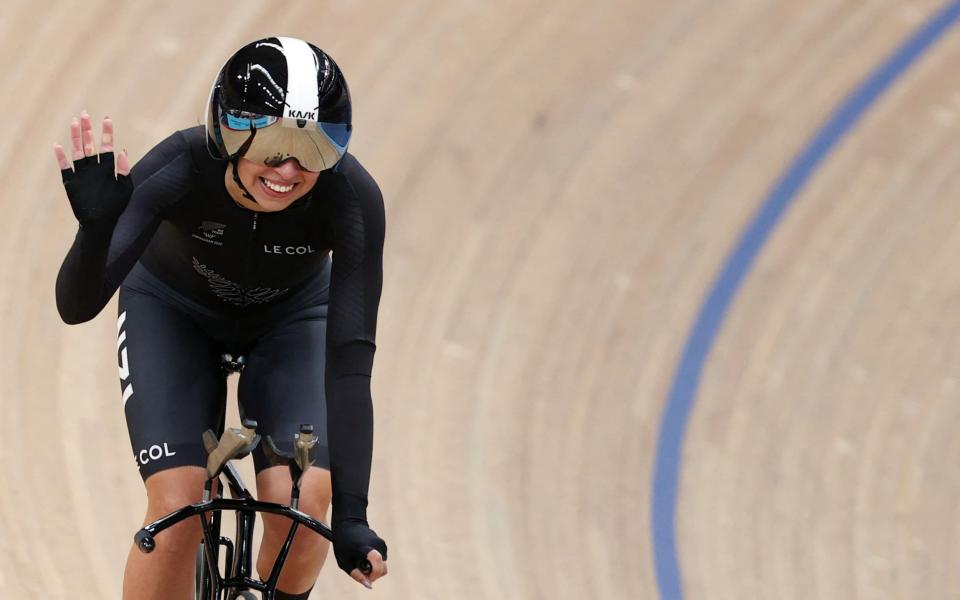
(210,232)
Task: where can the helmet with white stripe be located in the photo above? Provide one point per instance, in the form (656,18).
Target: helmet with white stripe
(280,98)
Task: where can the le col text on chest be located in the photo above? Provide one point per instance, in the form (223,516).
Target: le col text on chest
(288,249)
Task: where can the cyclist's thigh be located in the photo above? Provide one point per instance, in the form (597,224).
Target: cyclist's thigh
(282,383)
(172,385)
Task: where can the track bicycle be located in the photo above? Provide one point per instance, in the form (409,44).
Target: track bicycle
(238,581)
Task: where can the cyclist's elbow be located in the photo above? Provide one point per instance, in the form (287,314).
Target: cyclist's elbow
(71,314)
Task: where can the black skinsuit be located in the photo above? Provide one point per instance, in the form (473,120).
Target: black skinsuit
(202,275)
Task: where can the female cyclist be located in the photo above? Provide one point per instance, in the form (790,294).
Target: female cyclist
(219,240)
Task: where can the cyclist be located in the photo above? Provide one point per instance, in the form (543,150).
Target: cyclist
(219,240)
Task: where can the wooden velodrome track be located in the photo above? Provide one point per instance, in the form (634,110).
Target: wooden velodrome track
(564,182)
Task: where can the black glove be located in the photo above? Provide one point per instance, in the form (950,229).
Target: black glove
(352,541)
(97,197)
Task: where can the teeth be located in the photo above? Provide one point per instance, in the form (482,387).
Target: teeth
(282,189)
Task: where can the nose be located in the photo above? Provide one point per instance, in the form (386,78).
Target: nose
(288,169)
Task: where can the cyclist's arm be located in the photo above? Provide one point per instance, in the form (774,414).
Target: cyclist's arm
(101,257)
(357,279)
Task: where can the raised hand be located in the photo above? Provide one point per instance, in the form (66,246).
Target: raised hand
(97,196)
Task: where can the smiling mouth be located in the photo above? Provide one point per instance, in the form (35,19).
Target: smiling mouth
(276,189)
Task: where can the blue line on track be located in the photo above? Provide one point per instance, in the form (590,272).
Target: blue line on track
(714,309)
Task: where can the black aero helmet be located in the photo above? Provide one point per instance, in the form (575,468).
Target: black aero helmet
(279,98)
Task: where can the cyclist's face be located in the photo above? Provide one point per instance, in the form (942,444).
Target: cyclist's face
(274,188)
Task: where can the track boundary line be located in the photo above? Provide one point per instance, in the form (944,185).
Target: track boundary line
(713,310)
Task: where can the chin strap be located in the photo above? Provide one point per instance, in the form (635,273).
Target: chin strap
(236,179)
(236,159)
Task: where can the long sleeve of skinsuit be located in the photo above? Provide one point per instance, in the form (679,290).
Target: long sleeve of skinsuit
(355,288)
(102,255)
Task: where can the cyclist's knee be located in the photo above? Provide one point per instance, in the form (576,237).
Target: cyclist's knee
(273,485)
(315,499)
(168,491)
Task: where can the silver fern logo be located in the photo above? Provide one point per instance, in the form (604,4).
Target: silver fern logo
(233,292)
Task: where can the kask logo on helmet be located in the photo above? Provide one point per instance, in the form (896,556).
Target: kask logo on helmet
(301,114)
